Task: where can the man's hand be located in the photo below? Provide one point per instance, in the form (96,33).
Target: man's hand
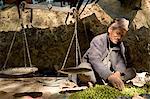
(115,80)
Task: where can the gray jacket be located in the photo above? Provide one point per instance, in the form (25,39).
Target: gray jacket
(97,52)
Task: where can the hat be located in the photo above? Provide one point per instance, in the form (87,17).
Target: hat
(120,23)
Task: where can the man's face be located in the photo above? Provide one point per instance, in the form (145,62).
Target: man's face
(117,35)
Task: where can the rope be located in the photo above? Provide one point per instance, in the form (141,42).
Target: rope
(26,42)
(86,34)
(10,48)
(67,18)
(78,52)
(27,47)
(76,43)
(66,57)
(84,7)
(24,52)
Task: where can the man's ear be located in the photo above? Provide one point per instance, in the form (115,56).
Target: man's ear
(109,30)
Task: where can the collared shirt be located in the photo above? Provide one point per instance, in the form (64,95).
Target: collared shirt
(98,51)
(116,58)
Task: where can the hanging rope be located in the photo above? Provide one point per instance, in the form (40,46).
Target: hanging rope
(76,42)
(66,57)
(10,48)
(27,47)
(24,52)
(84,7)
(25,39)
(78,52)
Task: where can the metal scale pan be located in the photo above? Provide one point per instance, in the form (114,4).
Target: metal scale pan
(74,70)
(19,70)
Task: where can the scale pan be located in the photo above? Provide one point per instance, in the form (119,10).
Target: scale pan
(74,70)
(19,70)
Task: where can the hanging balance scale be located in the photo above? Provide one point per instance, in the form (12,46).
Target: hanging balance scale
(19,70)
(73,71)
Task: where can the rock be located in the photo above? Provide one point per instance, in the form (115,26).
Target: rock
(137,97)
(137,42)
(145,96)
(67,84)
(140,80)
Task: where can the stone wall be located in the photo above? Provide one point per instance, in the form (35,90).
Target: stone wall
(48,47)
(50,37)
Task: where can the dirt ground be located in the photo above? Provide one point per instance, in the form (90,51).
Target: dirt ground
(37,87)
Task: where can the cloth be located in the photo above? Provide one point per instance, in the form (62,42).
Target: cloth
(92,76)
(88,76)
(116,58)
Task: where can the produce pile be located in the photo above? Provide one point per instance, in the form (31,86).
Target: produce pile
(107,92)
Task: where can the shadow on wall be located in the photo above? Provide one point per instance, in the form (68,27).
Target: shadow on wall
(48,47)
(138,42)
(121,8)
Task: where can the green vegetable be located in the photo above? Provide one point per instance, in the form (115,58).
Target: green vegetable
(107,92)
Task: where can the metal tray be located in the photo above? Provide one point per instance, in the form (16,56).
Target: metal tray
(19,70)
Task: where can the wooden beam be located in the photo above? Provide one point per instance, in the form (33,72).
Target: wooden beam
(45,7)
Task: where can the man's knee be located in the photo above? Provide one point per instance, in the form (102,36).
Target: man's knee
(85,65)
(88,76)
(130,73)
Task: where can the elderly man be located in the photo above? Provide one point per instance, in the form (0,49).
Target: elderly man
(106,57)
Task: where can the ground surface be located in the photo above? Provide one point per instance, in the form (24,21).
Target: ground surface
(49,86)
(21,88)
